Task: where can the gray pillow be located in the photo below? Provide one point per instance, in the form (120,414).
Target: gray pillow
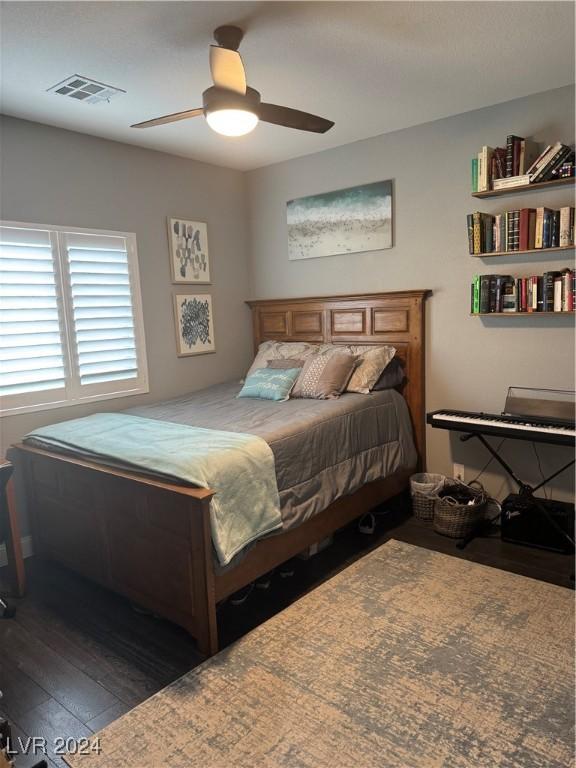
(324,377)
(285,364)
(392,376)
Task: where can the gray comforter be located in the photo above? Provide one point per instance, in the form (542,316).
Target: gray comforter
(322,449)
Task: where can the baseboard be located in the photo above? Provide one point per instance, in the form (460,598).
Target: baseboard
(27,550)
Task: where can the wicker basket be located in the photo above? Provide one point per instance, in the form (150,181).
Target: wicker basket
(424,488)
(453,515)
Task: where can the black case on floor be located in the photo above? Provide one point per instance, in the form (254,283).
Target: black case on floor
(523,523)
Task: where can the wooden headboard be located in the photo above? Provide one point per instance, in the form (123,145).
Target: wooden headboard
(395,318)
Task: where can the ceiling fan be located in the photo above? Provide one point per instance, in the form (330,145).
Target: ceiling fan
(230,106)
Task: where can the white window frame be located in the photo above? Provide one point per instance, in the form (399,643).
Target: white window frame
(75,393)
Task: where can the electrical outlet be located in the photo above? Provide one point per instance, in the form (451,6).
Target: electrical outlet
(458,472)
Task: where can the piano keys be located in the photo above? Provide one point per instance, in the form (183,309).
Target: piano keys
(537,429)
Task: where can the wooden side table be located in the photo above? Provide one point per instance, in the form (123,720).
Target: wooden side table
(10,531)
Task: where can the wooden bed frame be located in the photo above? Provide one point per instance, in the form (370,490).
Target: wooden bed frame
(150,541)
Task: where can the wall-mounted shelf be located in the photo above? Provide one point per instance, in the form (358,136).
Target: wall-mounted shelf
(558,249)
(520,314)
(542,185)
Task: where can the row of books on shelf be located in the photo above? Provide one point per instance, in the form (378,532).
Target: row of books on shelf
(551,292)
(523,229)
(519,163)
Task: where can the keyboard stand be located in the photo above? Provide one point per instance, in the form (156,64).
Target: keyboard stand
(524,490)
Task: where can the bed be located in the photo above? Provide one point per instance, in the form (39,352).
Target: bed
(149,539)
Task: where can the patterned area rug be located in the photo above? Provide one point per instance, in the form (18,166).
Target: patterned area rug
(407,658)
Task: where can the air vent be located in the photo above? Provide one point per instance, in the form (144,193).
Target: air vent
(83,88)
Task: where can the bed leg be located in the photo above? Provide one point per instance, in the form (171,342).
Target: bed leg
(202,588)
(207,639)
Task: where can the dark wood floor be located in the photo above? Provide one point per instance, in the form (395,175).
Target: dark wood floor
(76,657)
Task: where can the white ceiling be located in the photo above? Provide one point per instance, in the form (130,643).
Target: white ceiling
(372,67)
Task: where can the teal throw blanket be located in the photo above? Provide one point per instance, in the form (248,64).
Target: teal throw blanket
(239,467)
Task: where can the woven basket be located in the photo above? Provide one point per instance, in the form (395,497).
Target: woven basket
(453,517)
(424,488)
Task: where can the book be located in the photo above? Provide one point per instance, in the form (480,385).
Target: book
(503,233)
(555,156)
(546,174)
(512,154)
(477,235)
(534,294)
(499,163)
(511,182)
(539,292)
(547,229)
(512,230)
(536,162)
(498,233)
(529,288)
(474,174)
(557,306)
(527,228)
(544,159)
(539,230)
(555,229)
(487,233)
(500,283)
(509,297)
(484,294)
(566,288)
(476,295)
(492,293)
(516,155)
(564,235)
(548,290)
(484,158)
(470,223)
(497,168)
(515,230)
(524,294)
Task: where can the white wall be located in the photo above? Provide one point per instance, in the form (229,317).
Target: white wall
(52,176)
(470,361)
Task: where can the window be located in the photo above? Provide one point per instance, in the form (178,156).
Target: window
(71,326)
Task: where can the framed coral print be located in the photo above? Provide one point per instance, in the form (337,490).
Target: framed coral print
(189,258)
(194,324)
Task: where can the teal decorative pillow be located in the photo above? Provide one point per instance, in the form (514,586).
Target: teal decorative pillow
(270,383)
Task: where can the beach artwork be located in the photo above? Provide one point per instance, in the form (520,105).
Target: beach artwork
(349,220)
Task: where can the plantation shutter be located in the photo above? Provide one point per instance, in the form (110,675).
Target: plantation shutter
(71,327)
(102,309)
(32,354)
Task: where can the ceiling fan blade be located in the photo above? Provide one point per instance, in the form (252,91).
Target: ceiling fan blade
(293,118)
(174,117)
(227,69)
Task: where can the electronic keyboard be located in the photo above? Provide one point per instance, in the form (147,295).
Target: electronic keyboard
(538,429)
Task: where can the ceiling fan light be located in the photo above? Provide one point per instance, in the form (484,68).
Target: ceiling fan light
(232,122)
